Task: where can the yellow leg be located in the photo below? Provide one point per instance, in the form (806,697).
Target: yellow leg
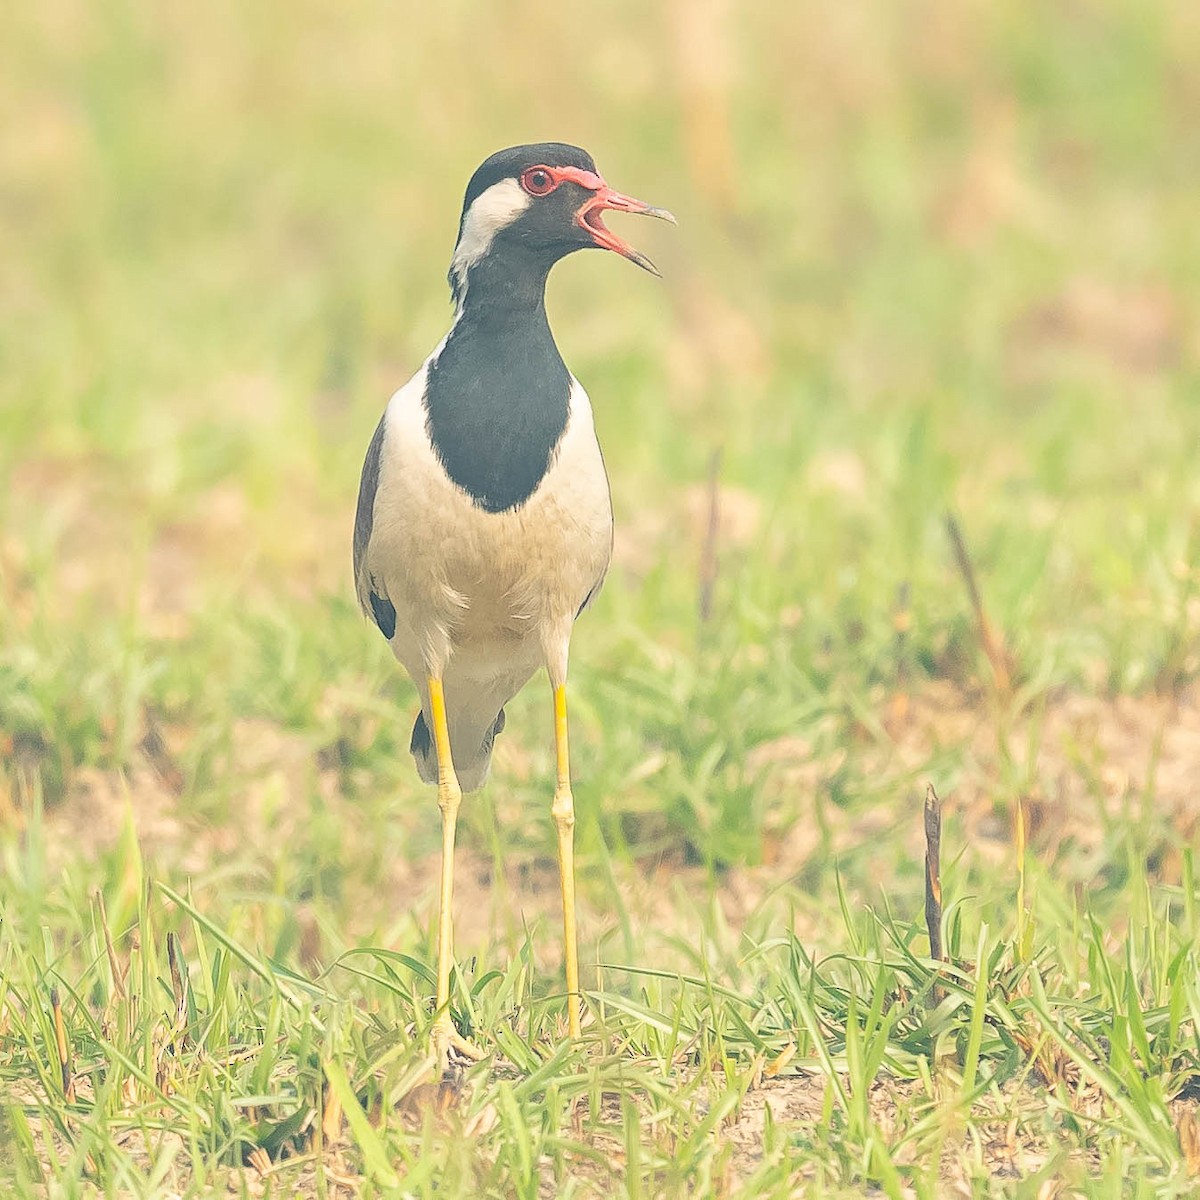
(563,812)
(449,799)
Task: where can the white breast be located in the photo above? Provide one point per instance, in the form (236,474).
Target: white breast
(472,583)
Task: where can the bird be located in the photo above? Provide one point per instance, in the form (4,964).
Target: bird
(484,522)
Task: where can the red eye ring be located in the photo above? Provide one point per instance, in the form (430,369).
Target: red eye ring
(539,181)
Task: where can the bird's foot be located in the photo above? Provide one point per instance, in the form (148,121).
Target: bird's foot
(447,1038)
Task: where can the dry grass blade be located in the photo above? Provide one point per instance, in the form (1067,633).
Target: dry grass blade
(709,564)
(933,881)
(178,989)
(64,1050)
(1189,1139)
(933,869)
(331,1117)
(259,1159)
(989,638)
(114,966)
(780,1061)
(1024,930)
(483,1122)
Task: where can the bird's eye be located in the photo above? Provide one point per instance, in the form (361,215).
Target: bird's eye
(537,181)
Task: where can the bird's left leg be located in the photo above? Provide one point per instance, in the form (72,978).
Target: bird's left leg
(563,811)
(449,799)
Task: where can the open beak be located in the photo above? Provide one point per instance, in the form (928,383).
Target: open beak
(591,218)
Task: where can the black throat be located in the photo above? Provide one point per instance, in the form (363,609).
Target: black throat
(497,397)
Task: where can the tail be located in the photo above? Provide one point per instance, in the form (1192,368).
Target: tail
(472,769)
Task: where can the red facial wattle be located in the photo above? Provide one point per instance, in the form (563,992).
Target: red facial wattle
(542,180)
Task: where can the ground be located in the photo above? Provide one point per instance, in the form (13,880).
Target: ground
(903,458)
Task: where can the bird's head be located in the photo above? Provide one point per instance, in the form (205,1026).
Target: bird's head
(529,206)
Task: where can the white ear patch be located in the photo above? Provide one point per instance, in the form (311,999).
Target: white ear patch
(491,211)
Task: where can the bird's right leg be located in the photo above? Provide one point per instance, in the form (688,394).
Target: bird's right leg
(449,799)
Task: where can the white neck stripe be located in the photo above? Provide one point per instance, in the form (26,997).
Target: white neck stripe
(491,211)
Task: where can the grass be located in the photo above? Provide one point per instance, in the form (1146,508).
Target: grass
(929,261)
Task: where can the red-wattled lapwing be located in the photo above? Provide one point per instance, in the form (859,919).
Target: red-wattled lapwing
(484,525)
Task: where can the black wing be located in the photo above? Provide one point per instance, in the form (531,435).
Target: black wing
(380,607)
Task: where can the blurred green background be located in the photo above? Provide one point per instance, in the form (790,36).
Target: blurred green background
(931,256)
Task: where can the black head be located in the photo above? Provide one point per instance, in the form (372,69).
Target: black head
(508,164)
(528,206)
